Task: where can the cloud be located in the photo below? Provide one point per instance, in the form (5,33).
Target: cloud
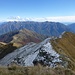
(11,17)
(56,19)
(17,18)
(61,19)
(53,19)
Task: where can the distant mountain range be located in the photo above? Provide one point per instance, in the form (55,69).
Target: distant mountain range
(44,28)
(21,37)
(72,27)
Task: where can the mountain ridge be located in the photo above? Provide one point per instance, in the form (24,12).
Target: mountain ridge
(21,37)
(44,28)
(50,52)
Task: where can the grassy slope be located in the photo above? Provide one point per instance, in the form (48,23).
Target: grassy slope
(25,36)
(66,47)
(36,70)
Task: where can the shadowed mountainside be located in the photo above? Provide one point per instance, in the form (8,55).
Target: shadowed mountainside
(6,49)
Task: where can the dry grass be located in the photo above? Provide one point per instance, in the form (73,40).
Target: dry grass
(66,46)
(25,36)
(36,70)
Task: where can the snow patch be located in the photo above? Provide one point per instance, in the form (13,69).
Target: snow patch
(48,48)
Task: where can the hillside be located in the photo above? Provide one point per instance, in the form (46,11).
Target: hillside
(66,47)
(66,44)
(6,49)
(21,37)
(51,52)
(45,28)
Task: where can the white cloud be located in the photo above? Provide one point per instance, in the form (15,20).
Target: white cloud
(11,17)
(54,19)
(62,19)
(17,18)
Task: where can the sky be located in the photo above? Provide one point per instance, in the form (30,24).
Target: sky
(37,10)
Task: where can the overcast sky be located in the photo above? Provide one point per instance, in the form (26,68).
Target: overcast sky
(38,10)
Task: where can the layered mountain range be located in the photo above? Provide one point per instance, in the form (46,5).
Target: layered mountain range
(44,28)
